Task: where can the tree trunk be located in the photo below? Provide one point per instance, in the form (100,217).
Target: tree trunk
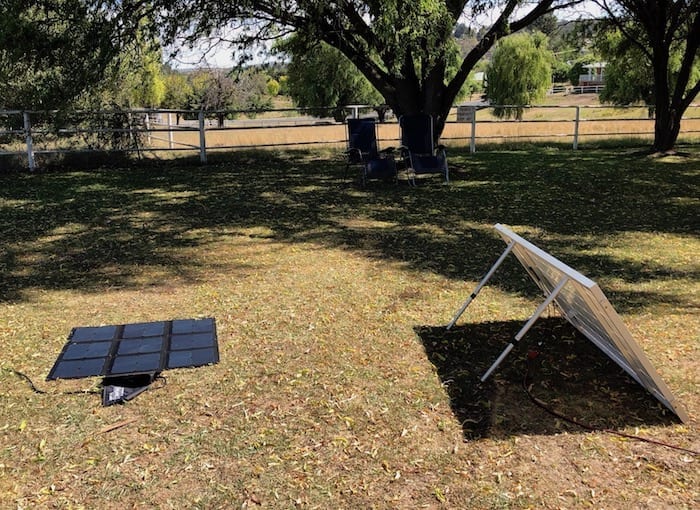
(432,99)
(667,122)
(667,125)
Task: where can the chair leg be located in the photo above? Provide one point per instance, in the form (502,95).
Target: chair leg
(411,175)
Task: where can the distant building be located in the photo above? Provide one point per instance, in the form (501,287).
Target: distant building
(595,75)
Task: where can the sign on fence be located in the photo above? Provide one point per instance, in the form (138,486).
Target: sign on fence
(466,113)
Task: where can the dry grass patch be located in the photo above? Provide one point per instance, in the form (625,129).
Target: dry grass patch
(338,387)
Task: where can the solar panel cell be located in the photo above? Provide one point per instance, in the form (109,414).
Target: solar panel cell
(93,334)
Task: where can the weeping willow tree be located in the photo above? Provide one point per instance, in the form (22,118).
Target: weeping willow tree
(520,73)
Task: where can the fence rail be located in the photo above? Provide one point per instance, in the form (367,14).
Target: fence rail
(28,135)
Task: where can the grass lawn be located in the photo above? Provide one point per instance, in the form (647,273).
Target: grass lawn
(338,386)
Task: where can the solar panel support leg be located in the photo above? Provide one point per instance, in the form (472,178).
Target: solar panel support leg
(526,327)
(483,282)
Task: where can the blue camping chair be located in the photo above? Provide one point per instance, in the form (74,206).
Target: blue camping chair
(363,152)
(418,149)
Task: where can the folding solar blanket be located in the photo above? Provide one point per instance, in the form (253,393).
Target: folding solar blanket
(130,356)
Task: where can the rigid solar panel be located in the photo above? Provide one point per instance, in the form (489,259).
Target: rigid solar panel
(584,305)
(139,348)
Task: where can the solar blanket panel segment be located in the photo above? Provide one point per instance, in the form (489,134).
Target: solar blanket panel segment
(138,348)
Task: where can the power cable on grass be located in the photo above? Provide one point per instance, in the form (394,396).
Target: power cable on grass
(542,405)
(35,389)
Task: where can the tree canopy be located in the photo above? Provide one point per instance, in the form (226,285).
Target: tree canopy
(49,54)
(404,48)
(323,77)
(53,51)
(629,77)
(666,35)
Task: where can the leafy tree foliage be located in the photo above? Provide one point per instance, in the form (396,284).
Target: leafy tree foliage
(560,70)
(572,43)
(520,73)
(53,51)
(546,24)
(50,52)
(629,77)
(221,91)
(133,79)
(577,69)
(322,77)
(284,85)
(666,37)
(404,48)
(273,87)
(178,90)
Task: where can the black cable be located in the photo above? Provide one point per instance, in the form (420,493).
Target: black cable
(531,356)
(163,382)
(42,392)
(162,385)
(26,378)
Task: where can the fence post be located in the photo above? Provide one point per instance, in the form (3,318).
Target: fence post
(30,143)
(202,139)
(170,130)
(147,120)
(472,141)
(576,123)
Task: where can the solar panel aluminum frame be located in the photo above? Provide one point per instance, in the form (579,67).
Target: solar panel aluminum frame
(584,305)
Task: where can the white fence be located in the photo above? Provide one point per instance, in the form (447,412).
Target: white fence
(30,136)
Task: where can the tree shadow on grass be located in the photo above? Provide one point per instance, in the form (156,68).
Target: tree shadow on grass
(94,230)
(569,373)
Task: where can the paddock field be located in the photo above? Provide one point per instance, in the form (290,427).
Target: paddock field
(555,121)
(455,133)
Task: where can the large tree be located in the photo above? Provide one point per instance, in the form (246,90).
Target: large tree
(49,52)
(403,47)
(520,73)
(663,31)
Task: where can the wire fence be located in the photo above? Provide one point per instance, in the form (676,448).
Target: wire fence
(29,139)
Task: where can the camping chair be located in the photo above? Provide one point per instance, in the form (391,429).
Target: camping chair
(363,151)
(418,149)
